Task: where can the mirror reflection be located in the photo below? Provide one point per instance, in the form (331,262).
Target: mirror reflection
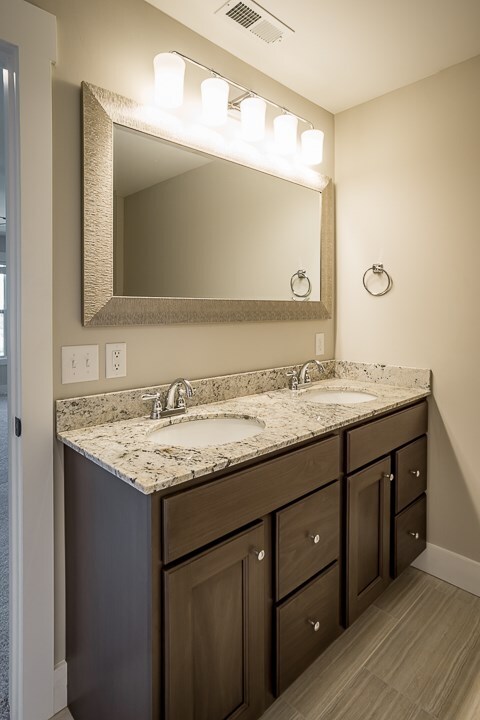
(189,225)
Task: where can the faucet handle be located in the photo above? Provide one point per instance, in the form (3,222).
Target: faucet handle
(181,401)
(151,396)
(157,404)
(293,379)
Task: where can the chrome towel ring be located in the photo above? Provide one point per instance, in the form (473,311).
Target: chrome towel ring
(301,275)
(378,269)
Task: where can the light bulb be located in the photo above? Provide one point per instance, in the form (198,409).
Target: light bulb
(285,133)
(169,76)
(253,118)
(214,101)
(312,147)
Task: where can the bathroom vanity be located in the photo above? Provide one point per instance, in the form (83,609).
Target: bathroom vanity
(207,597)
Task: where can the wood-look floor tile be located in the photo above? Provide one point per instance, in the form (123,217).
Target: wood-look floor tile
(367,697)
(405,591)
(463,699)
(322,681)
(281,710)
(423,656)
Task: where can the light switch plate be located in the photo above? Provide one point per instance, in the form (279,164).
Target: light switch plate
(319,343)
(115,360)
(79,363)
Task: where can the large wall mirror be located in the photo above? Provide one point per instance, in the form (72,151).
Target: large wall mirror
(173,234)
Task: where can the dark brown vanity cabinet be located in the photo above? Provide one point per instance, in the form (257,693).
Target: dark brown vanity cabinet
(201,602)
(368,543)
(410,504)
(215,632)
(386,504)
(205,600)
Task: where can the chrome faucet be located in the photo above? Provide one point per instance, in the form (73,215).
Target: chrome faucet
(303,376)
(176,394)
(175,404)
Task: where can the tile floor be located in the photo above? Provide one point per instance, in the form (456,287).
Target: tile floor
(413,655)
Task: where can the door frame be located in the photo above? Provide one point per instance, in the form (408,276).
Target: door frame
(31,36)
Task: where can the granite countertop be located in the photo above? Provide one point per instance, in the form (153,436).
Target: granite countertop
(124,448)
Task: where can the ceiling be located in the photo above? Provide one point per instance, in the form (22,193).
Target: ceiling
(345,52)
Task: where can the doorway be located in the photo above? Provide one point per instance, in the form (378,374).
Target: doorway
(4,439)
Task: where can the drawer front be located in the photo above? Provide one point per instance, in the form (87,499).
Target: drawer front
(196,517)
(410,473)
(380,437)
(411,523)
(308,538)
(298,642)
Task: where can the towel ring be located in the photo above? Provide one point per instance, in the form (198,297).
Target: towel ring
(301,275)
(378,269)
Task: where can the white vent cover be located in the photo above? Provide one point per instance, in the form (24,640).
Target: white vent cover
(255,19)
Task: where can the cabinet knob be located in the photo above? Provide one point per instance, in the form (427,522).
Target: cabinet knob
(415,473)
(315,538)
(315,625)
(389,476)
(414,535)
(260,554)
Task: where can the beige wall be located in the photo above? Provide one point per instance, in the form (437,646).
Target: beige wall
(408,190)
(245,234)
(112,44)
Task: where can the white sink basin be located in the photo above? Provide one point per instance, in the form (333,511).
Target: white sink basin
(206,432)
(338,397)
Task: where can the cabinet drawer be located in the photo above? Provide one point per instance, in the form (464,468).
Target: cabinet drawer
(406,545)
(196,517)
(380,437)
(298,643)
(410,473)
(308,537)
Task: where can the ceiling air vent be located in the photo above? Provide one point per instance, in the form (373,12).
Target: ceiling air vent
(255,19)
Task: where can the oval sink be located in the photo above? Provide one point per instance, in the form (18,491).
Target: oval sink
(205,432)
(338,397)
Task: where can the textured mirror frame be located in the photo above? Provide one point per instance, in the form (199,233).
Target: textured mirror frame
(101,109)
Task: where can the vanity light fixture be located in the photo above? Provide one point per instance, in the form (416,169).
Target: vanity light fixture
(253,110)
(169,69)
(312,147)
(214,101)
(169,80)
(285,133)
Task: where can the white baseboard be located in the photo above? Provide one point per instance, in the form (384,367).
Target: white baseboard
(60,687)
(454,569)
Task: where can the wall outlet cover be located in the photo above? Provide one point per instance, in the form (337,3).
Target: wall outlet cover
(115,360)
(79,363)
(320,344)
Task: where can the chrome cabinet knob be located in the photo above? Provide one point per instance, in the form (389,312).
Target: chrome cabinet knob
(260,554)
(315,538)
(315,625)
(414,535)
(415,473)
(389,476)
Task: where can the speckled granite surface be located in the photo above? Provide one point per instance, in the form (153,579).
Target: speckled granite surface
(108,407)
(123,447)
(90,410)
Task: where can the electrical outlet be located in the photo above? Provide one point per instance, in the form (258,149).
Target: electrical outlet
(79,363)
(319,343)
(115,360)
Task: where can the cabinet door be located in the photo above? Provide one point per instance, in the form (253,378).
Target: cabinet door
(215,634)
(368,543)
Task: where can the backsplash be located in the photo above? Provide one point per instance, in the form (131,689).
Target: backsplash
(90,410)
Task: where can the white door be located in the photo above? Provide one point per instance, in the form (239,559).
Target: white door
(27,49)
